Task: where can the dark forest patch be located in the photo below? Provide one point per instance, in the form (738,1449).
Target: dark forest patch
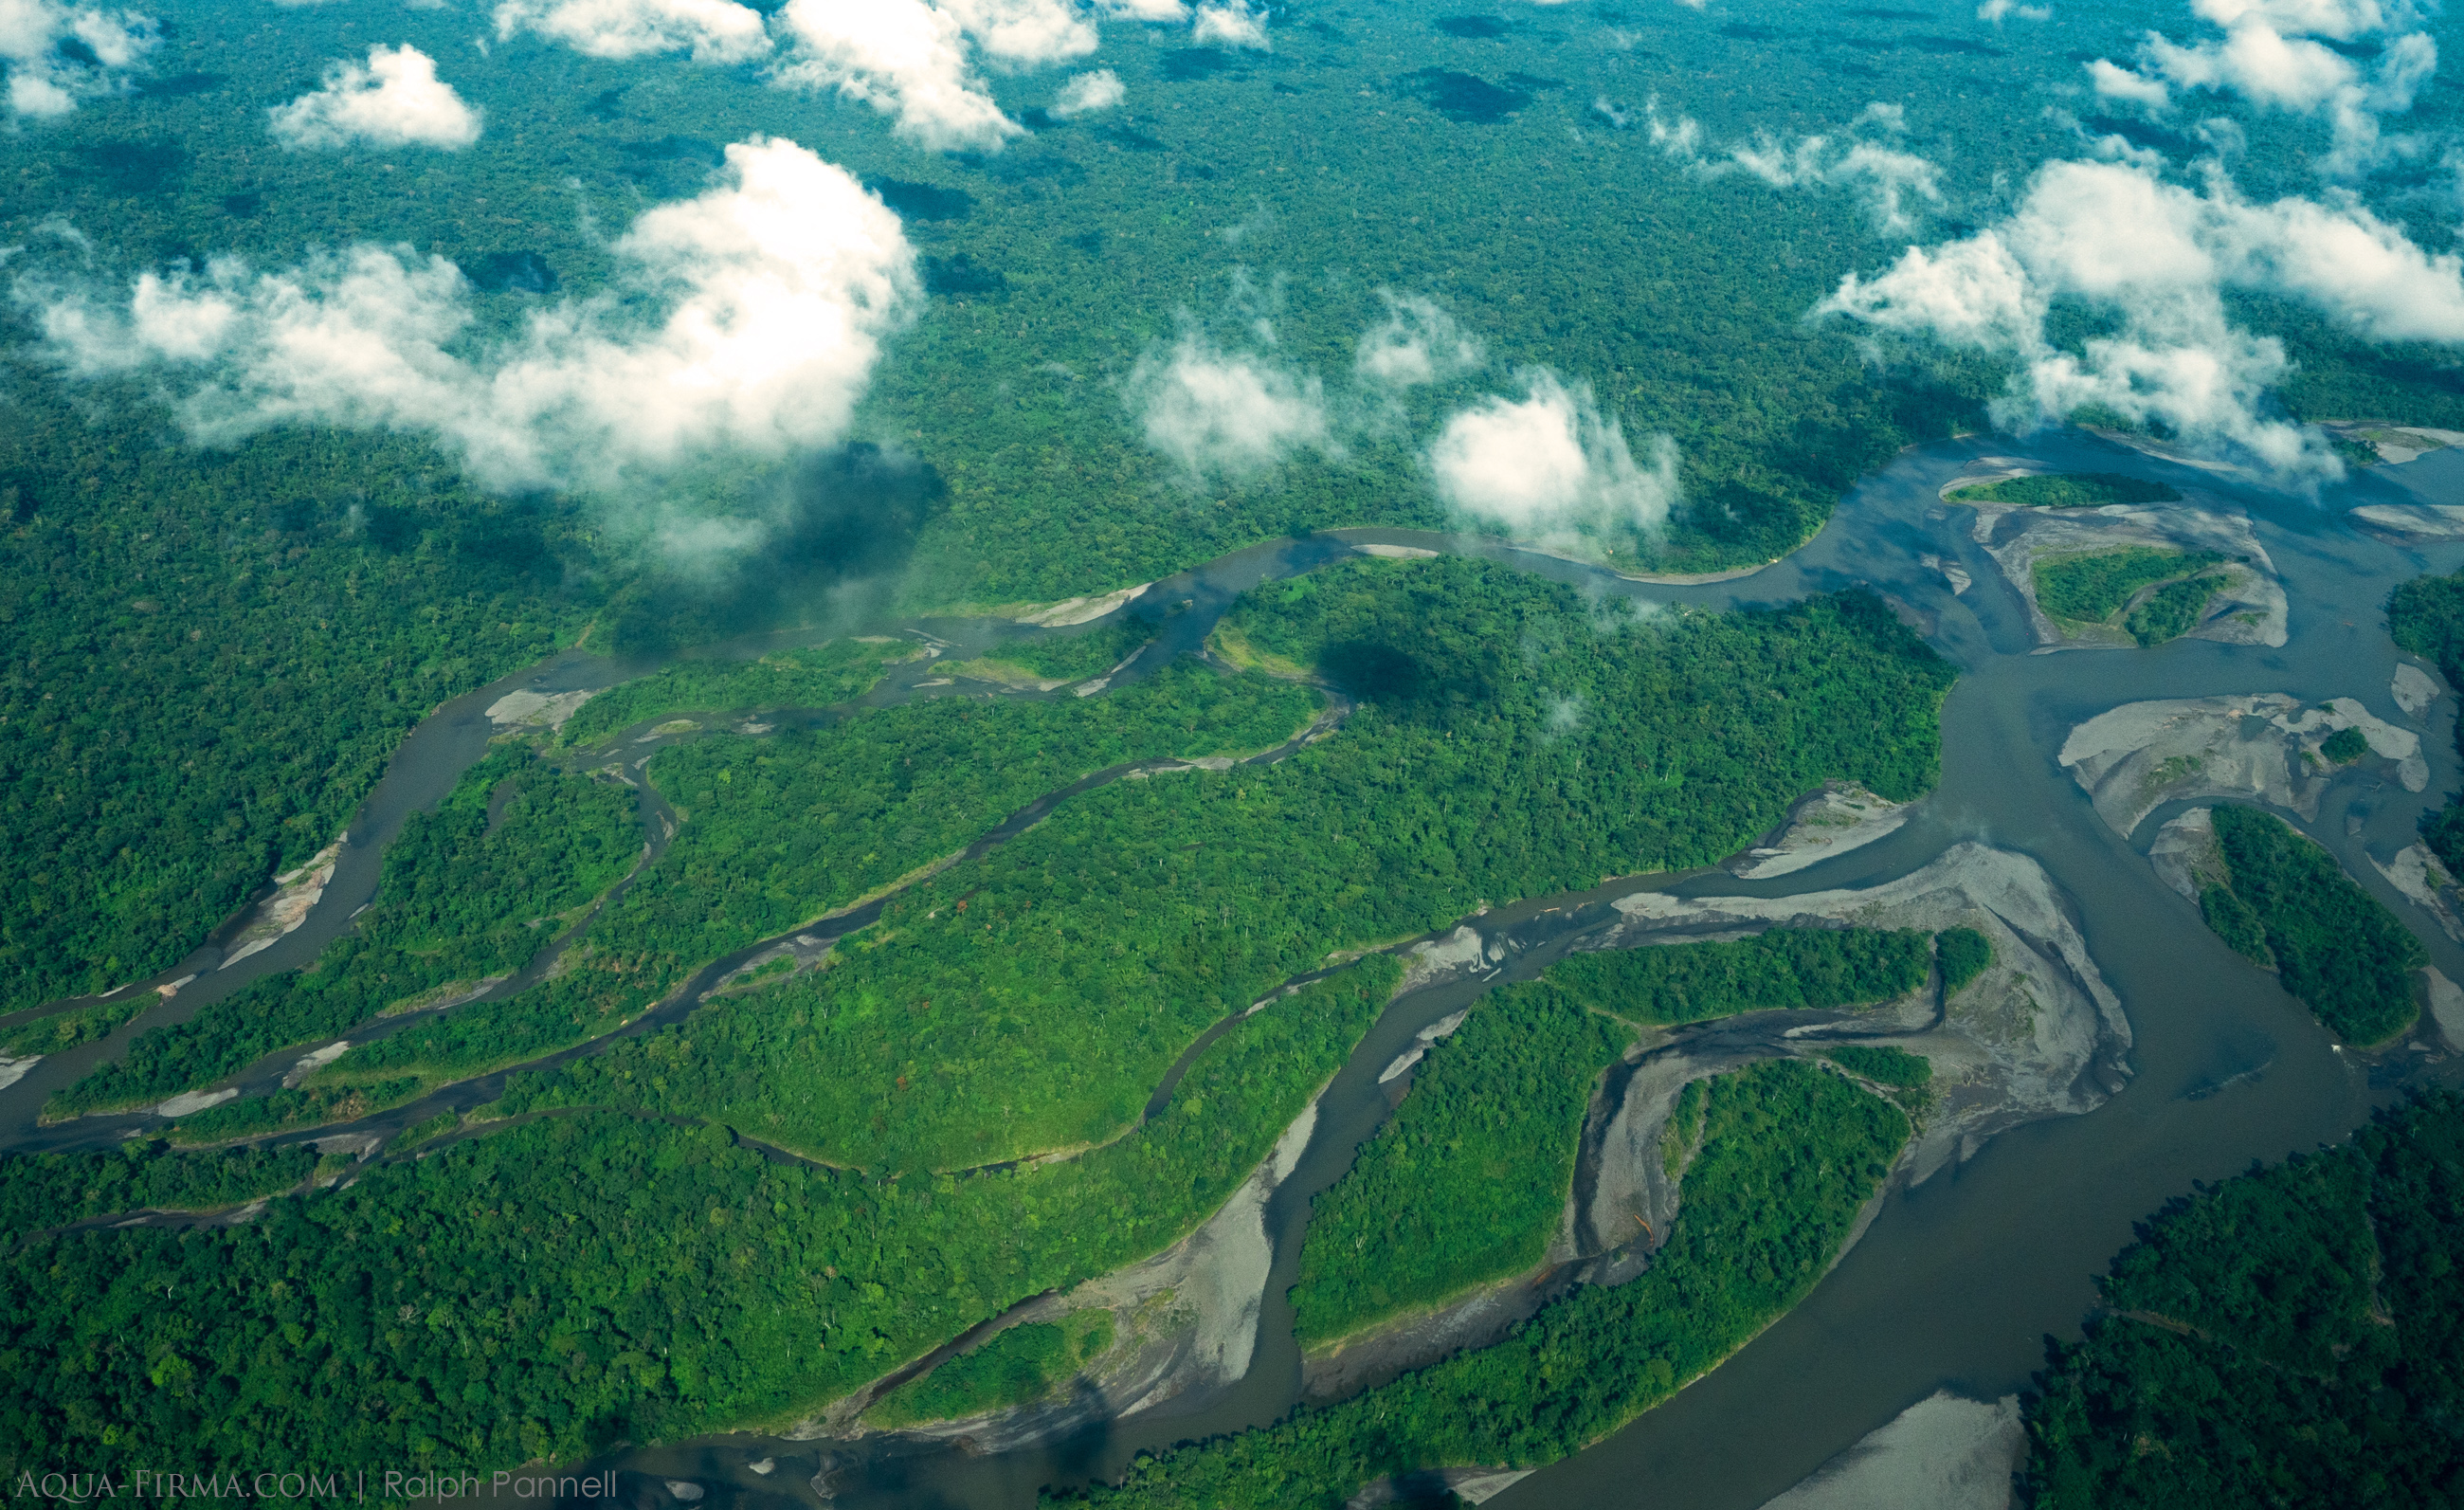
(963,277)
(1130,137)
(1463,96)
(913,201)
(513,273)
(246,204)
(1187,63)
(132,167)
(181,85)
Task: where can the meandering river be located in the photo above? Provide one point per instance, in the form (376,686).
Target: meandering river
(1959,1281)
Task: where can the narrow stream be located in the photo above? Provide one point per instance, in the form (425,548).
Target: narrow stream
(1960,1279)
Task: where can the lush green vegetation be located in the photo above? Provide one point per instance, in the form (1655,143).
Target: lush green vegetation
(811,677)
(2172,610)
(2285,902)
(1069,654)
(1883,1065)
(562,1282)
(55,1032)
(2344,746)
(1790,1153)
(1802,968)
(1467,1181)
(779,830)
(52,1189)
(1906,1078)
(210,658)
(1683,1138)
(1024,1364)
(2292,1336)
(2090,586)
(2425,616)
(313,1106)
(471,891)
(1963,954)
(1031,999)
(2068,489)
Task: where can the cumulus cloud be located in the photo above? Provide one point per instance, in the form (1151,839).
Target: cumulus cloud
(394,100)
(712,31)
(2156,261)
(1417,343)
(2269,54)
(1024,33)
(55,55)
(1088,93)
(1218,414)
(903,58)
(1160,10)
(1230,23)
(1888,176)
(777,286)
(1551,467)
(1999,11)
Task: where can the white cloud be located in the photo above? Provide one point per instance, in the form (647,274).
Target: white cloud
(394,100)
(1416,343)
(55,55)
(1024,34)
(1215,413)
(1888,176)
(903,59)
(2156,260)
(712,31)
(1231,23)
(1551,467)
(2268,57)
(2121,85)
(1090,93)
(1170,11)
(1998,11)
(778,287)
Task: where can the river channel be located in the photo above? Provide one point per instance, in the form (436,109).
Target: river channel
(1960,1279)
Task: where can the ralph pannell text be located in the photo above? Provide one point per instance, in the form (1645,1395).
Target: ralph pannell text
(353,1487)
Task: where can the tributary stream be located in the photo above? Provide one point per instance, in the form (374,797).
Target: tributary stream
(1960,1279)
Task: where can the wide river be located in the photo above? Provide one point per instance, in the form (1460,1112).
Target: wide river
(1959,1282)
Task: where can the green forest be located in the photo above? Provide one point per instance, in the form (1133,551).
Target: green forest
(941,1032)
(1030,999)
(1800,967)
(1791,1152)
(548,1286)
(2286,903)
(213,649)
(52,1189)
(2067,490)
(813,676)
(2093,587)
(470,892)
(1467,1181)
(2290,1337)
(1021,1364)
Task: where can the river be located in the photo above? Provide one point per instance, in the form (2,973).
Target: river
(1959,1281)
